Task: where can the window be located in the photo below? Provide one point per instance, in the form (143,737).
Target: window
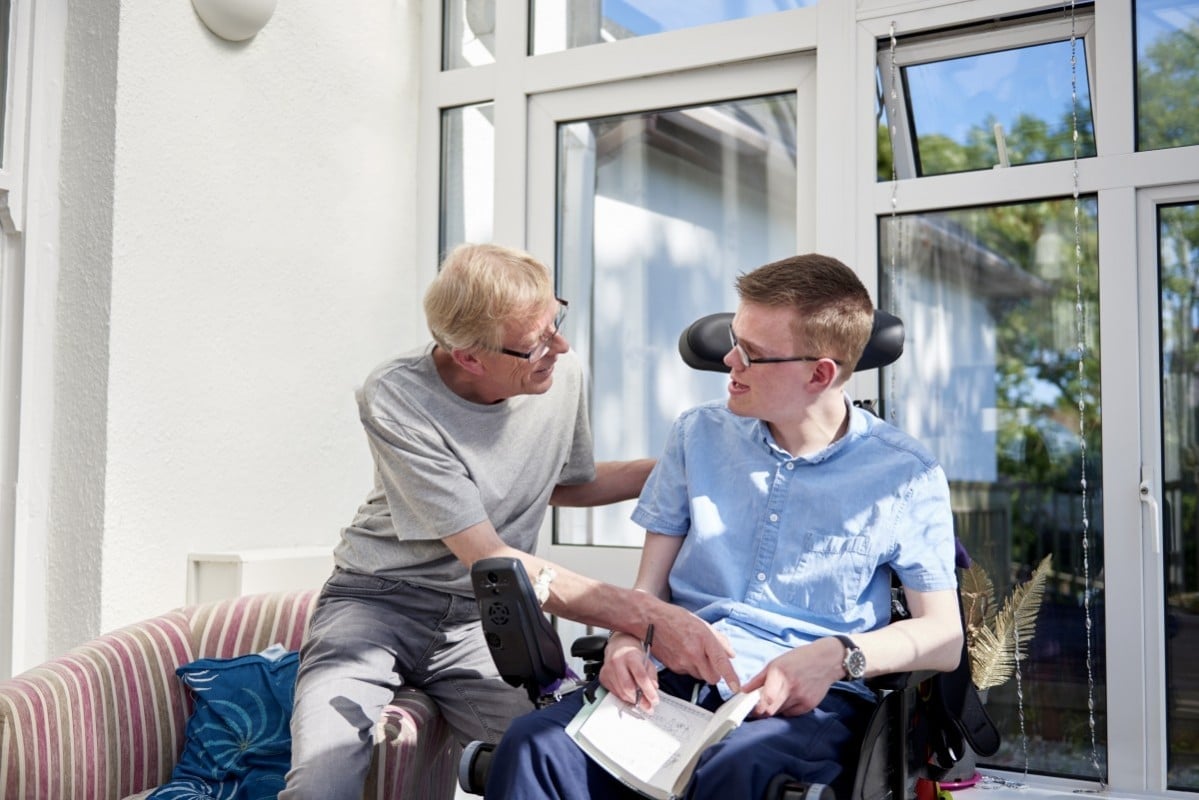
(563,24)
(469,33)
(1167,73)
(658,212)
(1177,246)
(467,175)
(979,100)
(990,382)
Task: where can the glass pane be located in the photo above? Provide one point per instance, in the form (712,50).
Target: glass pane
(1167,73)
(468,33)
(1178,265)
(1004,108)
(563,24)
(657,214)
(990,380)
(467,174)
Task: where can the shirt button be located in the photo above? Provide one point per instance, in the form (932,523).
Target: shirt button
(761,576)
(790,465)
(774,517)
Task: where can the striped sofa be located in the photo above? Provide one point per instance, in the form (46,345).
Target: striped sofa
(106,720)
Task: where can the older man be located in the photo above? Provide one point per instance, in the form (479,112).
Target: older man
(473,436)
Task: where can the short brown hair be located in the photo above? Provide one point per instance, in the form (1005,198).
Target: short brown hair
(835,314)
(479,289)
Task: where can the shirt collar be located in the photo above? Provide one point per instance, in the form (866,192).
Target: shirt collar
(858,425)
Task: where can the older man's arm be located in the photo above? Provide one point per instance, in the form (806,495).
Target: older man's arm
(614,481)
(593,602)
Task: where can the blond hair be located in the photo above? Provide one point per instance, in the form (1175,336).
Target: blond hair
(479,289)
(835,314)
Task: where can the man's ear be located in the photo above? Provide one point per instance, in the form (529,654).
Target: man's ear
(467,360)
(825,373)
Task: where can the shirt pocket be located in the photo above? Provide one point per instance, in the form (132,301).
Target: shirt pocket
(826,573)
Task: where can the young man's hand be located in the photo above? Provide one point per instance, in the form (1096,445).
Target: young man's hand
(795,682)
(682,642)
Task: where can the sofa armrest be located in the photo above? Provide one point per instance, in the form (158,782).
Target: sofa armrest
(103,721)
(416,755)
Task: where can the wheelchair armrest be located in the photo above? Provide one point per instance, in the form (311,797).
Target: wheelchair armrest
(591,650)
(895,681)
(523,643)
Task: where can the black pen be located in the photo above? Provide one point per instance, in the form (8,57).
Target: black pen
(649,640)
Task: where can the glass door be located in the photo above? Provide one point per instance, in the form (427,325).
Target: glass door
(652,196)
(1171,487)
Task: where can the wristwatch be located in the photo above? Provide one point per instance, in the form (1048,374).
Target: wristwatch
(855,659)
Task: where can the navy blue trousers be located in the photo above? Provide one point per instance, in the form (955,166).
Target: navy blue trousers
(537,760)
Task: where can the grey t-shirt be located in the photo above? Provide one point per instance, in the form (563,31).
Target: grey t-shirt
(443,463)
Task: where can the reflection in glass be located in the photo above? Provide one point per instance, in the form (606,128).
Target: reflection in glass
(467,174)
(1003,108)
(1167,63)
(563,24)
(657,214)
(468,33)
(990,380)
(1178,242)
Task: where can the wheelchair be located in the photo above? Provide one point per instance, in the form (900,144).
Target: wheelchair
(921,724)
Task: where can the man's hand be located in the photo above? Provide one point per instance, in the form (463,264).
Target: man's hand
(795,682)
(683,643)
(625,672)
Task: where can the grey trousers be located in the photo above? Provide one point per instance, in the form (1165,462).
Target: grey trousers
(369,636)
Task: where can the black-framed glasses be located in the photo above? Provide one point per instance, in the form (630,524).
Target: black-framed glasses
(746,360)
(543,346)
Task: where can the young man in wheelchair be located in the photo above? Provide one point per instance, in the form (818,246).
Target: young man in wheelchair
(778,517)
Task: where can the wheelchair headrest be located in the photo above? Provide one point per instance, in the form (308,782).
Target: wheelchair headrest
(705,342)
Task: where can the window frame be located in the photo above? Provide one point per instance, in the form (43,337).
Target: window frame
(846,39)
(975,40)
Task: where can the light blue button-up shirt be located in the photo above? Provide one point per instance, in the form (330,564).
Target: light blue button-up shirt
(780,551)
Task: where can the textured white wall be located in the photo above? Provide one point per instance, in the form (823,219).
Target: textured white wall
(258,261)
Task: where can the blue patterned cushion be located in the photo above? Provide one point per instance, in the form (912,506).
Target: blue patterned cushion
(238,744)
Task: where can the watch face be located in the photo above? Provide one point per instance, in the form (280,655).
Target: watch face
(855,663)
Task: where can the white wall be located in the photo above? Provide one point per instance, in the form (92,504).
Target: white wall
(237,253)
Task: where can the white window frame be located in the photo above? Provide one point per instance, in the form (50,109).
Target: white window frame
(845,38)
(28,289)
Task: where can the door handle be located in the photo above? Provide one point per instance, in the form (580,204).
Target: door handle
(1148,499)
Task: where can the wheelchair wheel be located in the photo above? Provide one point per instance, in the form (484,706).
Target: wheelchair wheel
(473,766)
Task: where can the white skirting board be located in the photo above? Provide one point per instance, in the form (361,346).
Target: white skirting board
(216,576)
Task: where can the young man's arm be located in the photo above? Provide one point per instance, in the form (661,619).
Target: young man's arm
(682,637)
(614,481)
(931,638)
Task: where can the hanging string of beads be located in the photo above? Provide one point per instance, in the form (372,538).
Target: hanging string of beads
(1081,327)
(893,239)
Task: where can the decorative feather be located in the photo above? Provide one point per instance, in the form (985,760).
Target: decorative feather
(998,639)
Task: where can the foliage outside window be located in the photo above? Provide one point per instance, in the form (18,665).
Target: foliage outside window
(991,382)
(1167,73)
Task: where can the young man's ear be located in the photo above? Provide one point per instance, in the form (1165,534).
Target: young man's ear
(825,373)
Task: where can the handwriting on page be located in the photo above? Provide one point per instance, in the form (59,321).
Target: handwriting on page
(642,743)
